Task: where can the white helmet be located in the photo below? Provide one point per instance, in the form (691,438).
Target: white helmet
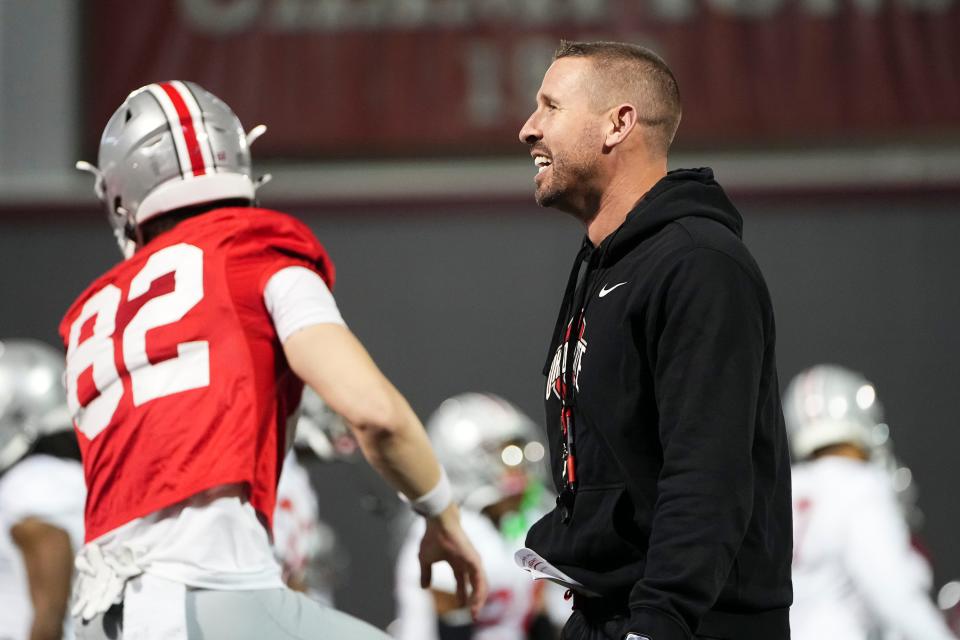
(170,145)
(33,399)
(478,439)
(827,405)
(323,431)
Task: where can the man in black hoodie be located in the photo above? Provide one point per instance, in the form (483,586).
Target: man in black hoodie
(663,413)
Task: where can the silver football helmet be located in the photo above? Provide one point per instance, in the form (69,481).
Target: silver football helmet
(483,441)
(170,145)
(322,431)
(827,405)
(33,399)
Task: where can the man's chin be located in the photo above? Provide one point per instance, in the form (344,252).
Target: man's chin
(547,197)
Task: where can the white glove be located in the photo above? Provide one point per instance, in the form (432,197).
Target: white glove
(101,579)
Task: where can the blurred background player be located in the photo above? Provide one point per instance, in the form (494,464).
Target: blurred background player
(493,455)
(41,493)
(305,544)
(855,573)
(185,365)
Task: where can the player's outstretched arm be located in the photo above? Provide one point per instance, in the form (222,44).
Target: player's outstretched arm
(330,359)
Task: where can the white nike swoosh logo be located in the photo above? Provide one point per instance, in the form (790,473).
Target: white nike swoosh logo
(604,291)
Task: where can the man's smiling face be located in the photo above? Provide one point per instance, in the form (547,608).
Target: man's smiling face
(564,134)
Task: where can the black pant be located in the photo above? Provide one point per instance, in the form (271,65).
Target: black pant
(579,627)
(609,627)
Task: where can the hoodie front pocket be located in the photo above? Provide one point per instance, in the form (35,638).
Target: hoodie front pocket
(604,527)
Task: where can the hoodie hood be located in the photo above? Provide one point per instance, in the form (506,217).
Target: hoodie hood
(679,194)
(682,193)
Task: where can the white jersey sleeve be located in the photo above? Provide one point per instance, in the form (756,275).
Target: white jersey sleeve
(882,564)
(296,298)
(47,488)
(855,573)
(52,490)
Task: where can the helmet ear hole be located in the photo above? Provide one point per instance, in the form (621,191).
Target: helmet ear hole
(128,116)
(117,205)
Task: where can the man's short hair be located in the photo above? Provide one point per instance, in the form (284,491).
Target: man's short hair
(629,72)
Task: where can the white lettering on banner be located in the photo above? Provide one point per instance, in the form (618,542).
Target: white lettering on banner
(232,16)
(188,369)
(290,16)
(747,8)
(211,16)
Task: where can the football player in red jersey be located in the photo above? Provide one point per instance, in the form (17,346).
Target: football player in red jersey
(184,364)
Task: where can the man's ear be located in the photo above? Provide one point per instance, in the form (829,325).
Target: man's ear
(622,119)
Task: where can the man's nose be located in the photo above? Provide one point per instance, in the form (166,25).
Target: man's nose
(530,133)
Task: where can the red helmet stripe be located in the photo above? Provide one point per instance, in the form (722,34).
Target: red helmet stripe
(187,127)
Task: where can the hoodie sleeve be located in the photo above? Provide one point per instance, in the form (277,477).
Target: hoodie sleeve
(709,343)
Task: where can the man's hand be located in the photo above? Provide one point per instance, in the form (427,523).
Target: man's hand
(445,540)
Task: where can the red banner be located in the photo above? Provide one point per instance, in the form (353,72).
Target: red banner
(373,78)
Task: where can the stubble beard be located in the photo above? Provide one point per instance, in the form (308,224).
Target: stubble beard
(558,191)
(553,191)
(548,195)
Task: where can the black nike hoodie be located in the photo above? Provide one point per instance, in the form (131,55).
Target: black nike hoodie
(680,502)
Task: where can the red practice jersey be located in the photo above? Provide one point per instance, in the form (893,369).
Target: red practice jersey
(175,375)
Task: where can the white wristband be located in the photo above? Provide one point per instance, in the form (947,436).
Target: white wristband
(435,501)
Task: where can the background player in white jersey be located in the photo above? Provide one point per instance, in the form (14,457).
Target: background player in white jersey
(185,363)
(855,574)
(493,455)
(41,493)
(305,545)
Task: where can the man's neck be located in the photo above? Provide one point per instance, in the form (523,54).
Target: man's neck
(619,198)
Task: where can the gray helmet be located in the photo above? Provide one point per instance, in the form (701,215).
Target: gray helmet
(170,145)
(32,396)
(827,405)
(478,438)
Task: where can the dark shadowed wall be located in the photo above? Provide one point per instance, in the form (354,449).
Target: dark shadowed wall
(451,301)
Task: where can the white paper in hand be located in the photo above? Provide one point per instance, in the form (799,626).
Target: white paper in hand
(540,569)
